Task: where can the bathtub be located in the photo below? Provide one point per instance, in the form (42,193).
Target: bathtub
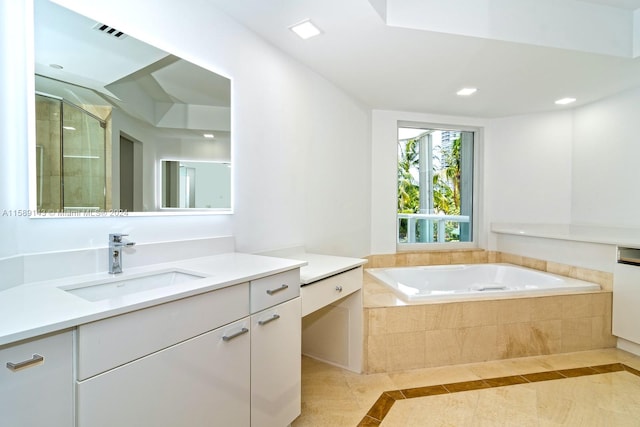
(471,281)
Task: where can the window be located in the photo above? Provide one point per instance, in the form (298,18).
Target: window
(435,185)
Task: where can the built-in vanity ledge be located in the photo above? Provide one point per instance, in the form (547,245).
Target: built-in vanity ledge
(572,232)
(321,266)
(38,308)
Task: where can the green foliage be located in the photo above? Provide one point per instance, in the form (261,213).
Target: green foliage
(445,182)
(408,188)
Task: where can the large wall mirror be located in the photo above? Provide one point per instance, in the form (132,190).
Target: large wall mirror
(110,109)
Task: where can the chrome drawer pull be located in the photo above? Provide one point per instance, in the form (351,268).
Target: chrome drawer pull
(271,319)
(237,334)
(339,288)
(273,291)
(21,365)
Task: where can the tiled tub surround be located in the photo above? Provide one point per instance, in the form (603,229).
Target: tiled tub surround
(400,336)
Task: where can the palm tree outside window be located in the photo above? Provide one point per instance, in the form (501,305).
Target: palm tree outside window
(435,185)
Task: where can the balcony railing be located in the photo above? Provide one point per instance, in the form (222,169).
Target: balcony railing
(411,220)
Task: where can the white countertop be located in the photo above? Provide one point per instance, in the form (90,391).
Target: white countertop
(38,308)
(322,266)
(578,233)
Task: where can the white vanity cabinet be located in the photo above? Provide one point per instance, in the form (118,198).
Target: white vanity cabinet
(626,295)
(203,381)
(36,382)
(183,363)
(230,357)
(275,365)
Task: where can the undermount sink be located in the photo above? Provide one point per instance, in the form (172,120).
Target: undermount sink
(114,288)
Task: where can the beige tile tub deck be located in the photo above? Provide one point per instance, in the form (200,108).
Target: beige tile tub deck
(400,335)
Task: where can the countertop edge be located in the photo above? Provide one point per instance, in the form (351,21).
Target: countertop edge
(574,233)
(322,266)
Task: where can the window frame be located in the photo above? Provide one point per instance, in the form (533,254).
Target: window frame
(478,135)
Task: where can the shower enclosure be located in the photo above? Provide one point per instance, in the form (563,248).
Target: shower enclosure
(71,153)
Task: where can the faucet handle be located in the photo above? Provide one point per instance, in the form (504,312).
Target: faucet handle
(116,237)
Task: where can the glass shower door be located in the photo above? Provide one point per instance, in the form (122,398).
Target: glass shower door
(83,161)
(70,157)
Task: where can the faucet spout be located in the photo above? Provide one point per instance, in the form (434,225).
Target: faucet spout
(116,243)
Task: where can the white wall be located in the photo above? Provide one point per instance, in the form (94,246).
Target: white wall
(337,183)
(528,168)
(287,125)
(606,151)
(574,166)
(14,56)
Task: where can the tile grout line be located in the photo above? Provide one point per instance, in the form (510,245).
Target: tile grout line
(483,384)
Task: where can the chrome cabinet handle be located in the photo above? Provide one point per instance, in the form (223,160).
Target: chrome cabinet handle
(339,288)
(237,334)
(271,319)
(25,364)
(273,291)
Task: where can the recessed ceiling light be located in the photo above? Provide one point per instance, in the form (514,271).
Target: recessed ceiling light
(305,29)
(466,91)
(68,128)
(208,135)
(56,66)
(565,101)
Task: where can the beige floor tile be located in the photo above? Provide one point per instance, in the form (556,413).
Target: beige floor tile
(333,413)
(335,397)
(502,368)
(432,376)
(506,406)
(444,410)
(326,389)
(628,358)
(582,358)
(367,388)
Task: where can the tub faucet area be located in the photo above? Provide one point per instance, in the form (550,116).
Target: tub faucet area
(116,243)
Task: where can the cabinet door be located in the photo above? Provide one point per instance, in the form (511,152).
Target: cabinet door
(36,387)
(203,381)
(275,365)
(626,301)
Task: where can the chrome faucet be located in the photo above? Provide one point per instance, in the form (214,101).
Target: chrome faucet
(116,243)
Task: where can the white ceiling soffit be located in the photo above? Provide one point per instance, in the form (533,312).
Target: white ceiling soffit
(404,69)
(608,27)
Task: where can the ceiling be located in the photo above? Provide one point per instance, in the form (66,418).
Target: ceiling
(409,69)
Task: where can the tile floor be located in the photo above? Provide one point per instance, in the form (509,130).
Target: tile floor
(590,388)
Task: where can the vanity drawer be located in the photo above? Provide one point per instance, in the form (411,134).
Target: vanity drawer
(271,290)
(112,342)
(323,292)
